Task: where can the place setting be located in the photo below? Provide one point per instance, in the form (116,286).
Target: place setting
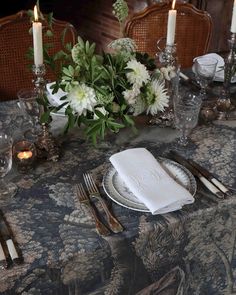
(138,181)
(113,160)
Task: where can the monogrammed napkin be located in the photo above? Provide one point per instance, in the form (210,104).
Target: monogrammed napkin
(149,182)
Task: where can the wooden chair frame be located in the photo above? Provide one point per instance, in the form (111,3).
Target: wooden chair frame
(193,30)
(15,40)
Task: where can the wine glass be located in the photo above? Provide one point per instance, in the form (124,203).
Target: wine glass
(6,164)
(186,112)
(31,108)
(204,68)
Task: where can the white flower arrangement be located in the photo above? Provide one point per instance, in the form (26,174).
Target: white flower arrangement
(103,92)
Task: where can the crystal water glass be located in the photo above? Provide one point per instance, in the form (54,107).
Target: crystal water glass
(186,113)
(204,69)
(6,164)
(31,108)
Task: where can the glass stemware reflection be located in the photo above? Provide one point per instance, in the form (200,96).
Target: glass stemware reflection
(31,108)
(186,113)
(204,69)
(6,164)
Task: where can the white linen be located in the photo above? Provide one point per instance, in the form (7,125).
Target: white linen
(55,99)
(149,182)
(219,75)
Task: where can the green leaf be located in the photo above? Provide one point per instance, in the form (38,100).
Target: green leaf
(49,33)
(128,120)
(115,125)
(66,72)
(45,117)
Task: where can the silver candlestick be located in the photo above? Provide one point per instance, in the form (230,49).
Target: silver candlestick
(46,145)
(224,104)
(167,62)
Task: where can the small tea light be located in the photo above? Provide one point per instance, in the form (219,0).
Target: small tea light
(24,154)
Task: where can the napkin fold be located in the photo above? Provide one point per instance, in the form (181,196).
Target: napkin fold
(149,182)
(219,75)
(55,98)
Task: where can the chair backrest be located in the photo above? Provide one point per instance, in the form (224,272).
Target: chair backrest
(193,30)
(15,40)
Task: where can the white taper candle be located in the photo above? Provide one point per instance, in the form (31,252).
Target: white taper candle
(171,25)
(233,21)
(37,39)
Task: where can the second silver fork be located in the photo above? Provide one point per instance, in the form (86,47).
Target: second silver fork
(84,199)
(114,224)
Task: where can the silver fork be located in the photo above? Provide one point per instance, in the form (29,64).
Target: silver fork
(84,199)
(114,224)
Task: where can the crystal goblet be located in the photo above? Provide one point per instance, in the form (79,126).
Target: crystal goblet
(186,112)
(32,110)
(6,164)
(204,69)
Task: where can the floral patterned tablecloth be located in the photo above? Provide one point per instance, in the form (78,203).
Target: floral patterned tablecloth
(190,251)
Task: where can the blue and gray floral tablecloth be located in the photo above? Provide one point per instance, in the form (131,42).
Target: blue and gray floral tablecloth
(191,251)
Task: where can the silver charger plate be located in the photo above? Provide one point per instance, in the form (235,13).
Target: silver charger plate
(116,189)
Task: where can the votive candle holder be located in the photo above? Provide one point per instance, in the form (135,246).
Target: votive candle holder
(24,154)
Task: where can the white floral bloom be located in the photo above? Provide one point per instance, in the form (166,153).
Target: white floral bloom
(168,72)
(160,98)
(123,44)
(82,98)
(139,74)
(130,95)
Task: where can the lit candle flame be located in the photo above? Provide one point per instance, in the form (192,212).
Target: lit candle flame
(24,155)
(173,4)
(36,18)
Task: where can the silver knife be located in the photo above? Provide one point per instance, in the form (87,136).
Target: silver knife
(211,178)
(3,260)
(210,186)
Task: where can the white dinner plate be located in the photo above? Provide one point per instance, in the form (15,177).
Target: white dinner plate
(116,189)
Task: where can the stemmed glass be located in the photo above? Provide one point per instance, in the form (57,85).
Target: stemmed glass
(186,112)
(204,69)
(32,110)
(6,164)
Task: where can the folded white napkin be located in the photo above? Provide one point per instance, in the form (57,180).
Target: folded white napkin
(55,99)
(219,75)
(149,182)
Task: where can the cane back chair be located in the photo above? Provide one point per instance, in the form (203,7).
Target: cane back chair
(193,30)
(15,41)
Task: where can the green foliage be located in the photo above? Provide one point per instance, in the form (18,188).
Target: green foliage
(102,92)
(106,74)
(120,10)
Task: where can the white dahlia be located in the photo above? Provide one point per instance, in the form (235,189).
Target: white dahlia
(82,98)
(157,98)
(130,95)
(139,73)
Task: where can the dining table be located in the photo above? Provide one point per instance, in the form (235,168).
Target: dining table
(188,251)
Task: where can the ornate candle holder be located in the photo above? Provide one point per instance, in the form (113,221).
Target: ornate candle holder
(224,104)
(46,144)
(167,62)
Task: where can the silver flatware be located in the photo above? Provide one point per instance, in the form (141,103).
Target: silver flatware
(9,240)
(211,178)
(84,199)
(114,224)
(3,260)
(208,184)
